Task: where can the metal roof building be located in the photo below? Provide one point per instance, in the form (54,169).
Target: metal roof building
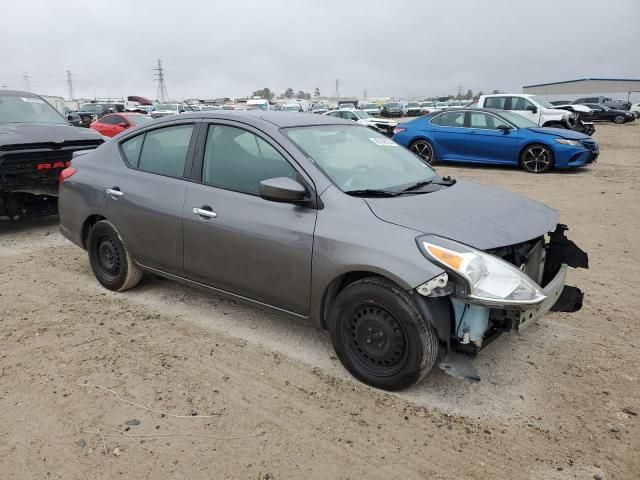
(618,87)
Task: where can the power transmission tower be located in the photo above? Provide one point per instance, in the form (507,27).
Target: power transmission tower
(337,89)
(70,84)
(161,93)
(25,81)
(364,93)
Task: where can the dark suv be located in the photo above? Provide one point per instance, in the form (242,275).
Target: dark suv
(36,144)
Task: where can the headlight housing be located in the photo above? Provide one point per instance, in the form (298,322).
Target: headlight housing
(481,277)
(566,141)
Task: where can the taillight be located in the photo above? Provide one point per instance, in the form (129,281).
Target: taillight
(398,130)
(67,173)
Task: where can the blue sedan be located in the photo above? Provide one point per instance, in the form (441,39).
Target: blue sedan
(494,137)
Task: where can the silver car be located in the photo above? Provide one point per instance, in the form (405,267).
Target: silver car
(327,220)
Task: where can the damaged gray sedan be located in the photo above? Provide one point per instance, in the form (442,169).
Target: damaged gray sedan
(325,220)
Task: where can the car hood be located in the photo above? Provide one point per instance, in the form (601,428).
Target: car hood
(29,133)
(470,213)
(561,132)
(378,121)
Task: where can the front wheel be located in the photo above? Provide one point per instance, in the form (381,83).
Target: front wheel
(619,119)
(423,149)
(110,260)
(379,335)
(536,158)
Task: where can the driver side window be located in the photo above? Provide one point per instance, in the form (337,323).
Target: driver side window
(238,160)
(519,103)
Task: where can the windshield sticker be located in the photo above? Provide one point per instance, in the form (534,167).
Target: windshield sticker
(383,142)
(32,100)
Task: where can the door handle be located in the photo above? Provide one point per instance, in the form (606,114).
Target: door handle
(205,211)
(114,192)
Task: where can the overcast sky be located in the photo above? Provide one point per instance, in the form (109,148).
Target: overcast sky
(388,48)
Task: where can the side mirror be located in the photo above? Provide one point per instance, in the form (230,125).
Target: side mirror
(532,109)
(282,189)
(74,119)
(123,124)
(504,128)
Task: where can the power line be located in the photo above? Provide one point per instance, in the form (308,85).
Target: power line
(161,93)
(70,84)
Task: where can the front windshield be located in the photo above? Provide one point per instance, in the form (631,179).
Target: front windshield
(290,108)
(370,106)
(518,120)
(542,101)
(392,105)
(358,158)
(93,108)
(14,109)
(412,104)
(426,104)
(167,106)
(362,114)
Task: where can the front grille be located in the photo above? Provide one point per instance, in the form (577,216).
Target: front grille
(52,146)
(591,145)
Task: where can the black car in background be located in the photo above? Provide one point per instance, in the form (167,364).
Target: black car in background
(101,109)
(604,113)
(391,109)
(36,144)
(606,101)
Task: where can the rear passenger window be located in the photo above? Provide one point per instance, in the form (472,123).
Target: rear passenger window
(131,149)
(452,119)
(495,102)
(165,150)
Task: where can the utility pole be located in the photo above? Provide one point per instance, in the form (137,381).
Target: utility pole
(25,81)
(337,88)
(364,94)
(161,93)
(70,84)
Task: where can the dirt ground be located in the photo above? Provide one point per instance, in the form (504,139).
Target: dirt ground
(168,382)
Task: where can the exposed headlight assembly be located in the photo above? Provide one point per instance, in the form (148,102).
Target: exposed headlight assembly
(565,141)
(481,277)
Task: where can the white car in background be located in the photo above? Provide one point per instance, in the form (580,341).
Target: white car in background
(369,107)
(291,107)
(428,107)
(382,125)
(164,109)
(635,109)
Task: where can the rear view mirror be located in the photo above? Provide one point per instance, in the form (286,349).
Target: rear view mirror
(282,189)
(532,109)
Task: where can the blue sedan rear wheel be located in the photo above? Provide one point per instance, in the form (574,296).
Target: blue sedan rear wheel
(423,149)
(536,158)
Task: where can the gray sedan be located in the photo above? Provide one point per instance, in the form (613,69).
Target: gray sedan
(327,220)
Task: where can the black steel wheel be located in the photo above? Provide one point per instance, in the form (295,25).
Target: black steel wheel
(110,261)
(536,158)
(423,149)
(379,335)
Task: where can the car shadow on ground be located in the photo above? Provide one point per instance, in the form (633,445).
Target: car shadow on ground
(8,226)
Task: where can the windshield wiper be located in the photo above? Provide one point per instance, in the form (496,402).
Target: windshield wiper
(445,182)
(370,192)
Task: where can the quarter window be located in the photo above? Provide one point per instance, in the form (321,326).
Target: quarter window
(451,119)
(495,102)
(165,150)
(131,149)
(235,159)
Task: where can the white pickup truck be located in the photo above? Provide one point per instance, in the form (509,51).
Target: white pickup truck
(538,110)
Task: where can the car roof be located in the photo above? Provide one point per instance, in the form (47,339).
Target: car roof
(16,93)
(278,118)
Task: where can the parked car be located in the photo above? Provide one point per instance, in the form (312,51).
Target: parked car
(319,110)
(635,109)
(101,109)
(114,123)
(495,137)
(555,103)
(36,144)
(606,114)
(291,107)
(391,109)
(539,111)
(363,118)
(428,107)
(371,108)
(413,109)
(410,270)
(606,101)
(164,109)
(79,119)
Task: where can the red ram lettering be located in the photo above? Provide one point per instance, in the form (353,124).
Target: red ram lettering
(49,166)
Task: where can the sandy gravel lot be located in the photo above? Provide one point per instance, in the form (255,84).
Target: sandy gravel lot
(169,382)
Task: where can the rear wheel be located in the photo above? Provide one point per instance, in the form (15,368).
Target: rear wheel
(619,119)
(379,335)
(110,260)
(536,158)
(423,149)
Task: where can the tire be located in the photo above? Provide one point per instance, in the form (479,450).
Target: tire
(110,260)
(379,335)
(423,149)
(619,119)
(536,158)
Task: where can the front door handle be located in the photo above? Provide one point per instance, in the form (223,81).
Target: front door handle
(205,211)
(114,192)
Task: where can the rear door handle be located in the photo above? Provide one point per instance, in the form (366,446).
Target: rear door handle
(114,192)
(205,211)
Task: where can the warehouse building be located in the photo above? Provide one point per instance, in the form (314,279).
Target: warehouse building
(616,88)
